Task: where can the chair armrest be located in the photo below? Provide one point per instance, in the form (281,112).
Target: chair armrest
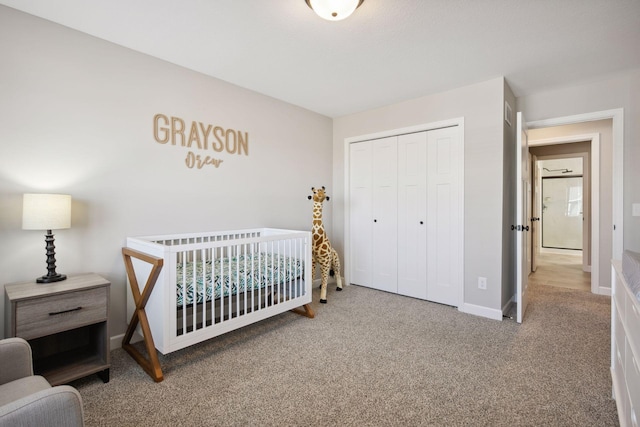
(59,406)
(15,359)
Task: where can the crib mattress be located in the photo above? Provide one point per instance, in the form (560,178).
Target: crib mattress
(228,276)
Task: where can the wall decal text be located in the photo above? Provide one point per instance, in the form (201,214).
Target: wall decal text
(175,131)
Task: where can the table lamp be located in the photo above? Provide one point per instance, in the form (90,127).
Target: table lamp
(47,212)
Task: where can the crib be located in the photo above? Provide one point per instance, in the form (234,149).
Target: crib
(187,288)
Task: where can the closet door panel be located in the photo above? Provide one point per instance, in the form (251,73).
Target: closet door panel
(361,213)
(443,283)
(385,214)
(412,219)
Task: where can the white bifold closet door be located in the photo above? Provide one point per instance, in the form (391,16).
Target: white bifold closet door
(412,215)
(374,217)
(385,214)
(361,213)
(444,254)
(404,215)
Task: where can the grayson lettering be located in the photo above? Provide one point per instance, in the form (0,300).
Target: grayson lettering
(199,135)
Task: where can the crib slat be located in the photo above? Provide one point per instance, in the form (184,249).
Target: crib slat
(236,274)
(204,287)
(244,277)
(214,258)
(260,278)
(183,261)
(253,276)
(222,288)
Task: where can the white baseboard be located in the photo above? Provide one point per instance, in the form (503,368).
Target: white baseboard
(481,311)
(604,291)
(116,340)
(508,306)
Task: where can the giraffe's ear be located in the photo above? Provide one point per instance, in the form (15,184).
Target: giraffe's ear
(309,197)
(327,197)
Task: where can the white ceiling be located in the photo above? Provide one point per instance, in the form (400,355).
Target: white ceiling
(387,51)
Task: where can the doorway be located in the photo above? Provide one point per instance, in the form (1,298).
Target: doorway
(604,131)
(562,215)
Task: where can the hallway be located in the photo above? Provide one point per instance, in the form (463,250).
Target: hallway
(561,270)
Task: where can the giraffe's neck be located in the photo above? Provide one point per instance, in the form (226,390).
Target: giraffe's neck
(317,212)
(319,235)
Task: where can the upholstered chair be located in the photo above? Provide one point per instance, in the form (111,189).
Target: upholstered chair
(29,400)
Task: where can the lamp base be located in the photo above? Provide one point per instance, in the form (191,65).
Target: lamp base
(51,278)
(51,275)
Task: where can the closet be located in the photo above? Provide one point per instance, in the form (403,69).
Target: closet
(405,214)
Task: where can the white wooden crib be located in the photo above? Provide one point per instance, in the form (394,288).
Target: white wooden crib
(187,288)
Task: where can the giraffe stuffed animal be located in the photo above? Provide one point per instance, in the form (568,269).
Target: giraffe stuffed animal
(321,250)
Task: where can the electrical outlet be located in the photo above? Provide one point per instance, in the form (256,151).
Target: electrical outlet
(482,283)
(635,209)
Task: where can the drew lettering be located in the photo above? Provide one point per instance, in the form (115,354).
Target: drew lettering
(194,160)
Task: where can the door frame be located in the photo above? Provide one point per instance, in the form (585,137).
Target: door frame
(459,122)
(587,239)
(617,134)
(594,175)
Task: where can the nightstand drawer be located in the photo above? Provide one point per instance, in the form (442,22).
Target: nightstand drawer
(47,315)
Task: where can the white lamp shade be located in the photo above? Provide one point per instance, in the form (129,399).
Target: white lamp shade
(46,211)
(334,10)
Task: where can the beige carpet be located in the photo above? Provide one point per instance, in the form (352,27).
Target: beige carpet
(371,358)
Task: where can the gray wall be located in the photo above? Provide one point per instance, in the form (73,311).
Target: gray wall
(481,105)
(77,118)
(509,202)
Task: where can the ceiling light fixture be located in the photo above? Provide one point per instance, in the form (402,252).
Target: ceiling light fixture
(334,10)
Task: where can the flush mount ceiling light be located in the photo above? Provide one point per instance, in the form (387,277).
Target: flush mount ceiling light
(334,10)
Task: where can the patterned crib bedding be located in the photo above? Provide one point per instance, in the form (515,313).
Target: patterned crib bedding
(228,276)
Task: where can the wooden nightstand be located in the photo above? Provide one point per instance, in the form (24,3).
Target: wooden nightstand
(65,324)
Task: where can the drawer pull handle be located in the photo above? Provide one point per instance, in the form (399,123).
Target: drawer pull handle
(65,311)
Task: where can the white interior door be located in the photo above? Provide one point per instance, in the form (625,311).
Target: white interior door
(443,220)
(537,213)
(361,213)
(412,215)
(521,226)
(385,214)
